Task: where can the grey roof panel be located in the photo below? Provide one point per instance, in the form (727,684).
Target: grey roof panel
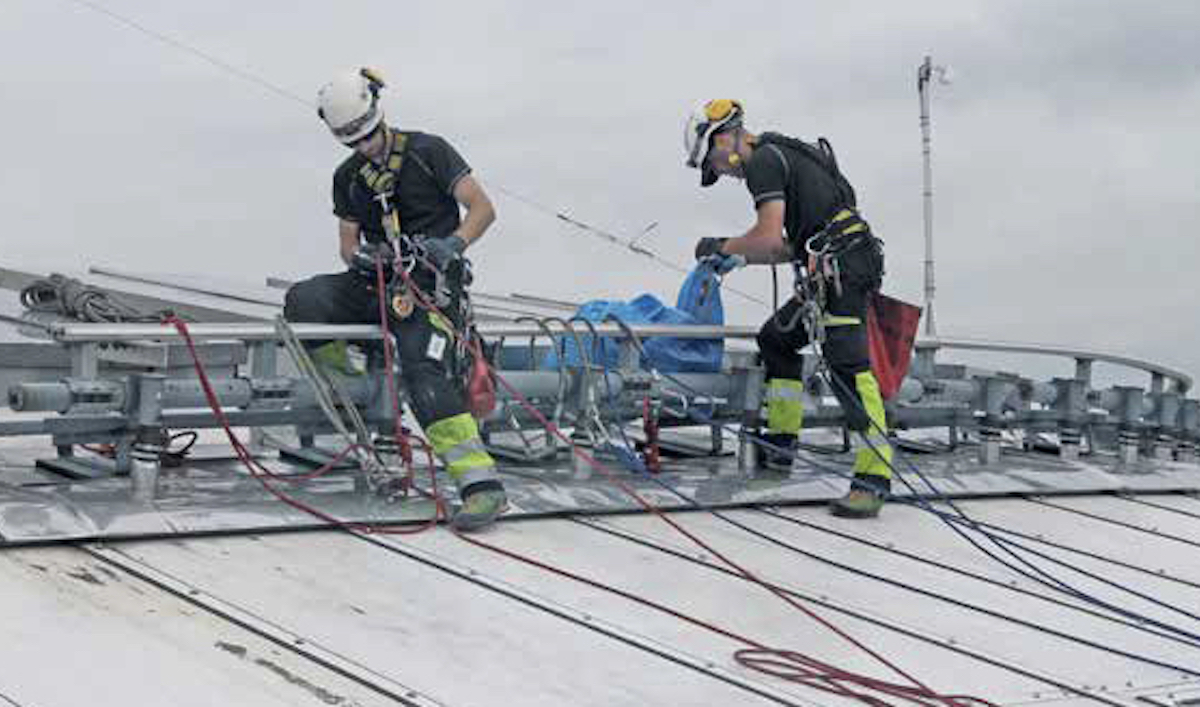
(78,632)
(421,611)
(448,636)
(417,613)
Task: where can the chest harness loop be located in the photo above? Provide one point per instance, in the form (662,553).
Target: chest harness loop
(382,180)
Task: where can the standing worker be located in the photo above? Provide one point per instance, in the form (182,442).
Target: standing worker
(402,190)
(797,186)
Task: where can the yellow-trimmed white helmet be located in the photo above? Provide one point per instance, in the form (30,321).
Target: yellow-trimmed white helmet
(704,122)
(349,104)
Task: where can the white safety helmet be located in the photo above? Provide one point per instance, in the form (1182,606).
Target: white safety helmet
(349,104)
(704,122)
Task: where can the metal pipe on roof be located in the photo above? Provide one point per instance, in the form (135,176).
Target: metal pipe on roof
(163,282)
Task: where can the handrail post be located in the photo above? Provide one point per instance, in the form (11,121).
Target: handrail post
(1072,415)
(1129,416)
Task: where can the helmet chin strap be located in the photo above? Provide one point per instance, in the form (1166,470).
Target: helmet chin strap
(741,137)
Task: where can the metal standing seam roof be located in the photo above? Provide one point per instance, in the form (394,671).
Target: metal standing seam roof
(328,617)
(213,592)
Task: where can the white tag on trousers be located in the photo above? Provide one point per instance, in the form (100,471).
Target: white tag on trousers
(437,346)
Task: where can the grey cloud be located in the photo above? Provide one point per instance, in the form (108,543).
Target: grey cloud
(1064,152)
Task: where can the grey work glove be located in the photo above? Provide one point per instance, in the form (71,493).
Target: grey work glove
(440,252)
(363,260)
(724,264)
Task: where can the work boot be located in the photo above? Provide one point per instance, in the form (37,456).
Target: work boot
(483,502)
(864,499)
(780,454)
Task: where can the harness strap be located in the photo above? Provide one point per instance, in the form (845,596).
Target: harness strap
(382,180)
(832,238)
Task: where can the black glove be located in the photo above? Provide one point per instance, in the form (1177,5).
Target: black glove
(363,260)
(709,246)
(440,252)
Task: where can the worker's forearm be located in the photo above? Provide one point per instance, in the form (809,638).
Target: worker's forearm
(758,247)
(479,217)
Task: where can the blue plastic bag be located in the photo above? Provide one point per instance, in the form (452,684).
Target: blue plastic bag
(699,302)
(700,296)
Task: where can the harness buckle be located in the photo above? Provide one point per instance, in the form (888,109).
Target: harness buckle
(402,302)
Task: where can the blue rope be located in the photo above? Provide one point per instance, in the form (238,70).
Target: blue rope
(953,520)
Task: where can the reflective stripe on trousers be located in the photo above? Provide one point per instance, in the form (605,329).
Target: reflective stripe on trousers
(785,406)
(874,454)
(456,440)
(838,320)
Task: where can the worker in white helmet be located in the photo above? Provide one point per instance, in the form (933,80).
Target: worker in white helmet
(405,190)
(806,214)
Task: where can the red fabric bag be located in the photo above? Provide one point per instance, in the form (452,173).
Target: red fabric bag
(481,386)
(891,331)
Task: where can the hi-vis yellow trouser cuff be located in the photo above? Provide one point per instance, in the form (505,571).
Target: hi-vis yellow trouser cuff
(874,453)
(785,406)
(456,440)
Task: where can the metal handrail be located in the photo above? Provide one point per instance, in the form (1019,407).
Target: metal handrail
(1183,382)
(86,332)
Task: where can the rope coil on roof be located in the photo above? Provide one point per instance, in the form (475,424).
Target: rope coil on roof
(59,294)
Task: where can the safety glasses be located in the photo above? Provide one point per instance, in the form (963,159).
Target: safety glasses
(353,144)
(344,131)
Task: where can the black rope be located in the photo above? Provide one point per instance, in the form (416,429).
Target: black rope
(958,517)
(59,294)
(960,603)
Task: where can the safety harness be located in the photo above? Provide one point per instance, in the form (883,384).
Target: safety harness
(845,253)
(382,181)
(449,290)
(842,253)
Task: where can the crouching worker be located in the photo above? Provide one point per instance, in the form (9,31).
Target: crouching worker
(406,187)
(797,187)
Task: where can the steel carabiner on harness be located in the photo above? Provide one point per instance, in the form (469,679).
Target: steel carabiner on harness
(400,298)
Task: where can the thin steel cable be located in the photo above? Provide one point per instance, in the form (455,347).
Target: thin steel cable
(627,244)
(183,46)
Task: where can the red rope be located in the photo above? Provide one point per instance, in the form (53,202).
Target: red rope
(789,665)
(262,474)
(832,678)
(399,433)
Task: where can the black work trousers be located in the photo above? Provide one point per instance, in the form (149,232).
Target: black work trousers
(845,347)
(429,355)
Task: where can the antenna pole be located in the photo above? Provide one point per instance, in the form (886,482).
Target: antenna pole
(924,74)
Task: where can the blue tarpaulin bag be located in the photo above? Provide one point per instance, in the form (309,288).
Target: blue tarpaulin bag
(699,302)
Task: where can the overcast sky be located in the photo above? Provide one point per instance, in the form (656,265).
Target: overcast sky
(1066,153)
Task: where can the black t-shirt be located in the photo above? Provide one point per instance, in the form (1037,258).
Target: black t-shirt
(424,191)
(779,169)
